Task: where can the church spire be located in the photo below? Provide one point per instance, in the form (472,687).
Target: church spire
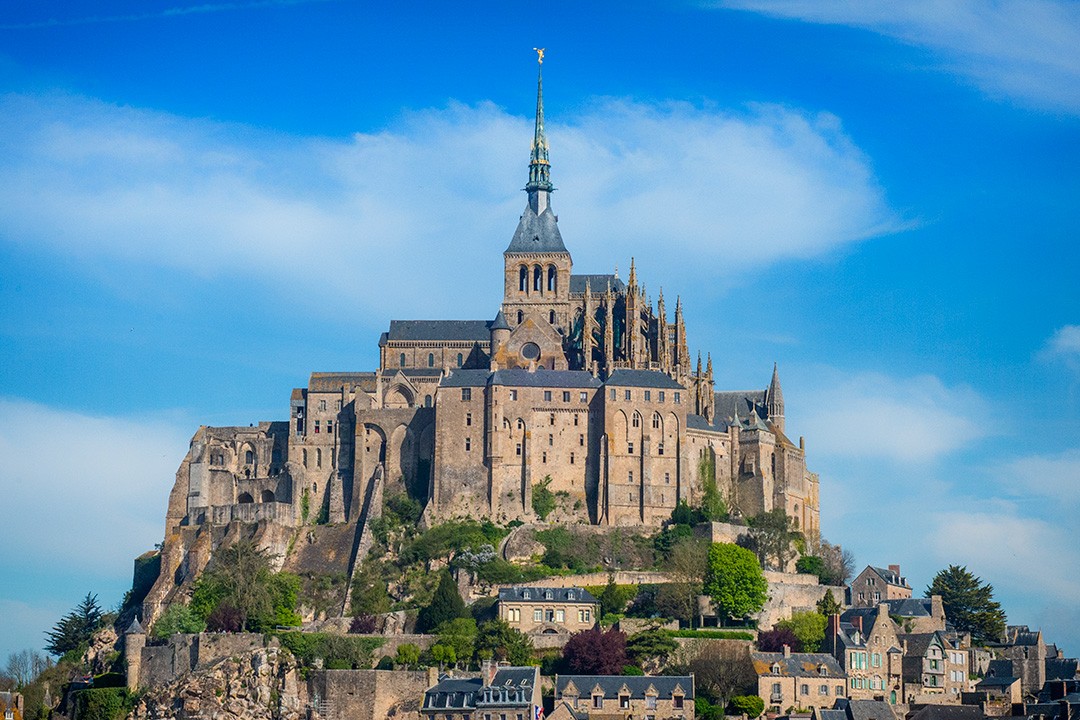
(774,399)
(539,167)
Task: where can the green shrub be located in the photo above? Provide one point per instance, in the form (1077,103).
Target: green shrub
(108,703)
(712,634)
(749,705)
(632,670)
(110,680)
(342,651)
(543,500)
(177,618)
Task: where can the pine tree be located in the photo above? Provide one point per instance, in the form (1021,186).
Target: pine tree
(75,628)
(969,604)
(446,605)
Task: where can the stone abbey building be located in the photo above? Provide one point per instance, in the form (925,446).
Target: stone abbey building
(577,383)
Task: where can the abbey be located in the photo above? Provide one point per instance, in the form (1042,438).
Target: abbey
(577,384)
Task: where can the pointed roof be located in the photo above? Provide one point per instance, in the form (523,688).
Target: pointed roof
(775,395)
(538,229)
(500,322)
(134,628)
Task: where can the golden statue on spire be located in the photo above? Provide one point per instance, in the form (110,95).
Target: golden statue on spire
(540,54)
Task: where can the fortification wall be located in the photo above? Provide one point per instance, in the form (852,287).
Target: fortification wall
(370,694)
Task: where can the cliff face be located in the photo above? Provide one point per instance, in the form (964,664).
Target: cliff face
(261,683)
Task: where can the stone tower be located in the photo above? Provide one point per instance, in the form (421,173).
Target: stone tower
(537,264)
(774,400)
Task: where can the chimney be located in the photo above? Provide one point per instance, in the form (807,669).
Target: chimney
(487,672)
(432,676)
(895,570)
(937,609)
(857,622)
(787,651)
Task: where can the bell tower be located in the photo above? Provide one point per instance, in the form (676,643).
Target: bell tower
(537,265)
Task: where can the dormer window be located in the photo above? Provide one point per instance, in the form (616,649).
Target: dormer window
(776,668)
(548,595)
(525,594)
(822,670)
(570,595)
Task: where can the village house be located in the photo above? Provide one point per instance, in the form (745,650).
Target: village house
(935,668)
(865,643)
(875,585)
(659,697)
(797,681)
(538,611)
(500,693)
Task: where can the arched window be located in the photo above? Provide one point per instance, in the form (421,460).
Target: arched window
(318,457)
(521,317)
(538,278)
(656,421)
(249,458)
(431,359)
(553,278)
(551,317)
(245,498)
(401,360)
(427,401)
(268,496)
(460,359)
(523,279)
(637,420)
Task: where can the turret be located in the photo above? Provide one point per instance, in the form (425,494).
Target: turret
(774,400)
(500,334)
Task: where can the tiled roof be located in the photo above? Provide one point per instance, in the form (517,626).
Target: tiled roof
(559,595)
(612,685)
(434,330)
(544,378)
(643,378)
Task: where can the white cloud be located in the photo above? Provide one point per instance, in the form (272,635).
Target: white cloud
(360,221)
(1047,476)
(82,494)
(1064,343)
(872,415)
(1028,50)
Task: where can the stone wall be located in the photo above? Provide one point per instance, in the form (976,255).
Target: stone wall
(369,694)
(792,592)
(162,664)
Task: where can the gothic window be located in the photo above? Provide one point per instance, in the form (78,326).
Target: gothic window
(538,278)
(268,496)
(431,359)
(553,279)
(656,421)
(521,424)
(249,458)
(523,279)
(401,359)
(521,316)
(460,359)
(636,420)
(427,403)
(318,458)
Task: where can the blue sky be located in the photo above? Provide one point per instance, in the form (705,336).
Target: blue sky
(205,202)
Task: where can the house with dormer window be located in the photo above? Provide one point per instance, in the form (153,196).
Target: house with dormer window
(660,697)
(548,611)
(798,681)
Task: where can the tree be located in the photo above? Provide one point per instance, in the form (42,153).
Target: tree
(771,535)
(407,655)
(446,604)
(444,655)
(828,605)
(734,580)
(808,626)
(649,644)
(177,618)
(968,603)
(721,668)
(774,640)
(23,667)
(687,564)
(368,595)
(811,565)
(749,705)
(238,590)
(460,635)
(74,630)
(496,639)
(614,598)
(543,500)
(839,564)
(596,652)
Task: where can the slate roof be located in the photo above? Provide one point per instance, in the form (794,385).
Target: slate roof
(559,595)
(500,322)
(643,378)
(465,378)
(870,710)
(947,712)
(1021,635)
(889,576)
(544,378)
(434,330)
(910,607)
(514,677)
(747,401)
(697,422)
(995,681)
(1061,668)
(919,643)
(134,628)
(796,665)
(537,233)
(637,685)
(834,714)
(465,693)
(597,284)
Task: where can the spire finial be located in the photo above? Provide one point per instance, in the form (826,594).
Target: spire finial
(539,167)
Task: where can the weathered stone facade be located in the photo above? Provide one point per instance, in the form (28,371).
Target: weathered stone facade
(580,387)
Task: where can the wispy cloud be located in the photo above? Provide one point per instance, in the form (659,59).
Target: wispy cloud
(429,195)
(1026,50)
(1063,344)
(165,12)
(872,415)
